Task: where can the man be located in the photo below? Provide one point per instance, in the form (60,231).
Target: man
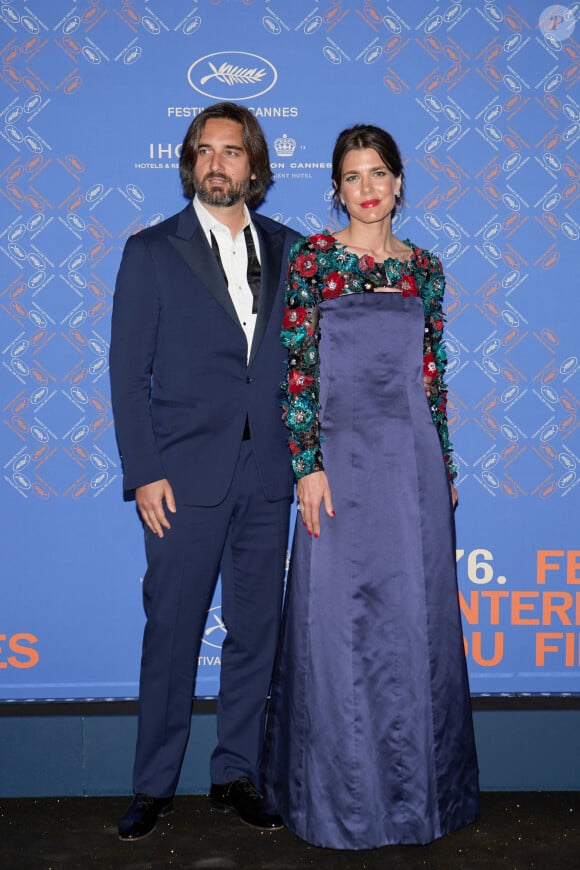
(196,364)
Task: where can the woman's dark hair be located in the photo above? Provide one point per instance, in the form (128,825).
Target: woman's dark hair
(366,136)
(253,140)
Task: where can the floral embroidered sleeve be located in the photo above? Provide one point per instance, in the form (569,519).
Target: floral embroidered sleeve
(435,358)
(300,335)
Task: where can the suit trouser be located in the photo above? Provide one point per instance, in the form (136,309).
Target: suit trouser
(245,537)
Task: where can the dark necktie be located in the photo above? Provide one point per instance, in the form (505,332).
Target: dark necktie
(253,272)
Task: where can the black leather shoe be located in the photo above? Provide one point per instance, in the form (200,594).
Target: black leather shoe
(242,798)
(141,817)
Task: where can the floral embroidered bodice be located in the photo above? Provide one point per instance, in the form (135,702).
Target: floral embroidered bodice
(321,268)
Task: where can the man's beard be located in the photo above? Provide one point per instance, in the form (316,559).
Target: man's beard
(226,196)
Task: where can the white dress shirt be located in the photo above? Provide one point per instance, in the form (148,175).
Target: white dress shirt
(234,257)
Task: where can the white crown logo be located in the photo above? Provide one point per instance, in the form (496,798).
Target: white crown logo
(285,146)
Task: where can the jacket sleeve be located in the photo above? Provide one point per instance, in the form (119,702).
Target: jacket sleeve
(136,307)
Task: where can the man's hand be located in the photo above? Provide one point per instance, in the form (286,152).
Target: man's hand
(311,491)
(150,499)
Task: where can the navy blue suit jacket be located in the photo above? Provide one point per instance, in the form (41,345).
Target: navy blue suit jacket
(180,380)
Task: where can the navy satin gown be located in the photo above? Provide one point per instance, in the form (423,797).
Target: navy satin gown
(370,737)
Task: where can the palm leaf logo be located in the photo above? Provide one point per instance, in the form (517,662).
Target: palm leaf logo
(229,74)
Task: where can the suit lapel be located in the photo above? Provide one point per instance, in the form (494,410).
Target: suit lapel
(190,242)
(271,247)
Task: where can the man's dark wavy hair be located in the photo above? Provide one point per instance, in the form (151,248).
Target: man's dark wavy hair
(253,140)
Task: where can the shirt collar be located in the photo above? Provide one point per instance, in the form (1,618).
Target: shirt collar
(209,222)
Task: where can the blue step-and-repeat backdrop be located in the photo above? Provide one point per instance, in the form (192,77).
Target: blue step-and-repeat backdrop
(483,99)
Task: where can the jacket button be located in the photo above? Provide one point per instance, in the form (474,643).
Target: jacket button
(249,379)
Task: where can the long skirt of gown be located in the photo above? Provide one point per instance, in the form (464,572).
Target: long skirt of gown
(370,736)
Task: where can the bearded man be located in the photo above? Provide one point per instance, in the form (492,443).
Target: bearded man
(196,365)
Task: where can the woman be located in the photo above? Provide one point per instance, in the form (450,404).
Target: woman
(370,739)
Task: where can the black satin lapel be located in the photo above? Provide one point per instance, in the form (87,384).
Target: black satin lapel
(199,257)
(271,247)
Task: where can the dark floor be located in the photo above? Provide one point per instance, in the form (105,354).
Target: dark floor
(518,830)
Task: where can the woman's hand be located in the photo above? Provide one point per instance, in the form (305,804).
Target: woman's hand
(311,491)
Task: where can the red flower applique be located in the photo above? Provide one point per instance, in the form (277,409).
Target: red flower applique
(293,317)
(333,286)
(408,286)
(298,382)
(366,263)
(322,242)
(429,365)
(306,265)
(294,447)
